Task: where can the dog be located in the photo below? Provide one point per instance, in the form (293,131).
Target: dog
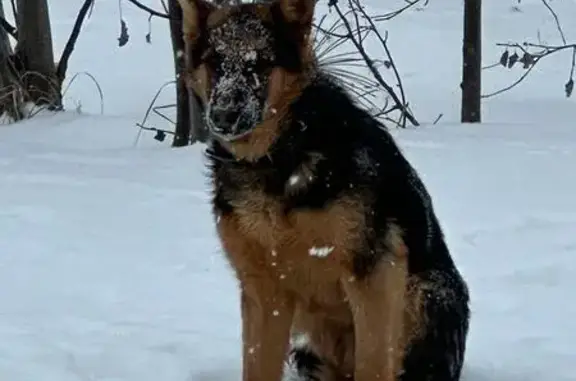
(343,268)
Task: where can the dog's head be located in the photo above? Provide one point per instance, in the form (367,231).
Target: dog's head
(247,63)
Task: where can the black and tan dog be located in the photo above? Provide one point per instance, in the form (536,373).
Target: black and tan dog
(329,229)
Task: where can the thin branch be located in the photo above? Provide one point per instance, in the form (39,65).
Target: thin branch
(71,43)
(511,86)
(384,44)
(556,20)
(150,10)
(329,33)
(397,12)
(531,60)
(165,6)
(98,87)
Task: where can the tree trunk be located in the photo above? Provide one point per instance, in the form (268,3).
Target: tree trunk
(35,52)
(472,62)
(189,124)
(10,92)
(4,40)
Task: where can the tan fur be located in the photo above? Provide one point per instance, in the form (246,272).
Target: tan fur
(194,12)
(379,304)
(218,16)
(261,219)
(298,11)
(331,333)
(414,318)
(270,253)
(199,81)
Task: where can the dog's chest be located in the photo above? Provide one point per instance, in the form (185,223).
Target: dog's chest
(303,232)
(299,246)
(300,251)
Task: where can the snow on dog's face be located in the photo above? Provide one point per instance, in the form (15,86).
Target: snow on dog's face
(246,62)
(240,57)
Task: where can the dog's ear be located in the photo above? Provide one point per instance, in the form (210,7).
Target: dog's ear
(194,16)
(298,12)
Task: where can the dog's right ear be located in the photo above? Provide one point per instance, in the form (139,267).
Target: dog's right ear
(194,16)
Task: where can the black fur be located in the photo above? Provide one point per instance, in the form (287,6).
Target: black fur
(361,156)
(306,363)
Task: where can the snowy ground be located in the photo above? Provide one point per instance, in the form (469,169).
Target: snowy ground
(109,268)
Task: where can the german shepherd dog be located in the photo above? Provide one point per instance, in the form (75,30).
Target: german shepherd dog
(343,267)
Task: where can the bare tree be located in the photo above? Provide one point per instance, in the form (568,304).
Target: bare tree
(189,124)
(183,131)
(9,101)
(29,73)
(472,62)
(35,53)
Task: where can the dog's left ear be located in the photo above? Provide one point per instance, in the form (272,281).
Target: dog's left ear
(298,12)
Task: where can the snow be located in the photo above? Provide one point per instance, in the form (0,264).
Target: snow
(294,179)
(109,264)
(321,252)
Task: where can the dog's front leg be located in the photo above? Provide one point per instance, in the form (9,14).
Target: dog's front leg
(378,305)
(266,321)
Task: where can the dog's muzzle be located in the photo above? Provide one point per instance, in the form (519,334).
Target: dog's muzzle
(231,123)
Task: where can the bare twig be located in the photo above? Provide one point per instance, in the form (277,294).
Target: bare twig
(357,41)
(71,43)
(150,109)
(556,20)
(530,60)
(391,15)
(165,6)
(534,53)
(383,41)
(100,93)
(149,10)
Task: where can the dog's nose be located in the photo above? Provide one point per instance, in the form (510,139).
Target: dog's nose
(225,120)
